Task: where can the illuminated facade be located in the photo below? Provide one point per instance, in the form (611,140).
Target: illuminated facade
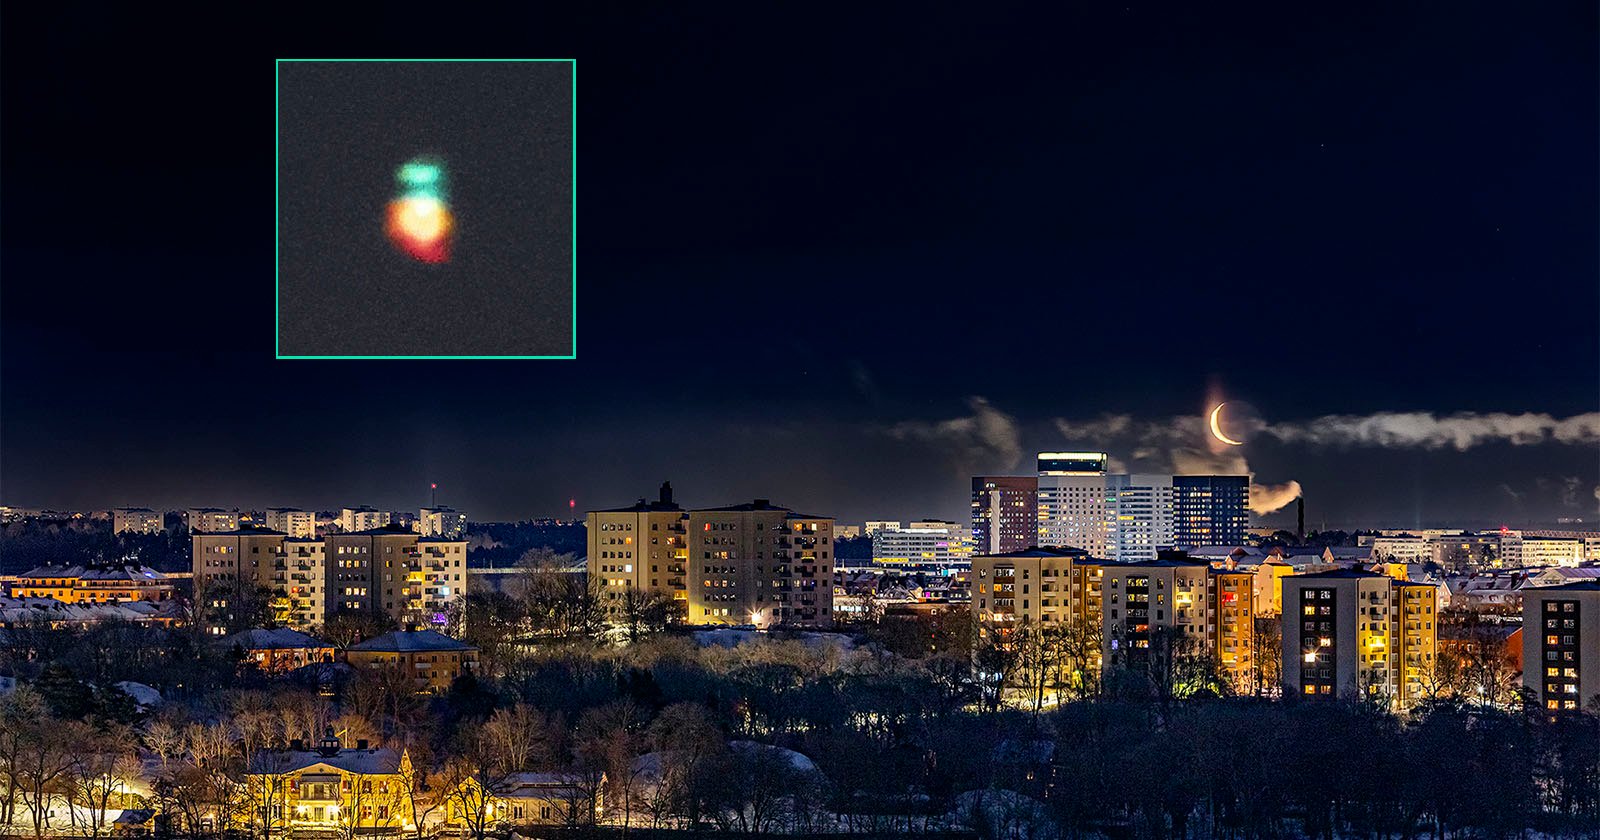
(1034,585)
(211,520)
(357,519)
(136,521)
(1355,633)
(1072,512)
(301,524)
(1138,516)
(228,564)
(1210,509)
(330,789)
(93,584)
(393,570)
(640,548)
(927,544)
(442,522)
(760,564)
(1143,600)
(1231,598)
(431,659)
(1561,644)
(1005,513)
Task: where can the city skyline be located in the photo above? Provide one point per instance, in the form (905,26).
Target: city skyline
(1390,221)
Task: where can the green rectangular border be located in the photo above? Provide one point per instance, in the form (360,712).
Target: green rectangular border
(277,221)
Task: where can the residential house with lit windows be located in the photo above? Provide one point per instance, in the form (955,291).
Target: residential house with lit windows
(330,789)
(1561,644)
(530,798)
(280,649)
(1357,633)
(431,659)
(93,584)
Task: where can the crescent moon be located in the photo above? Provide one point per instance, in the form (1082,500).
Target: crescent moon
(1216,427)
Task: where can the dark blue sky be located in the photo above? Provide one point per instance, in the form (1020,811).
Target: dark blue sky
(805,239)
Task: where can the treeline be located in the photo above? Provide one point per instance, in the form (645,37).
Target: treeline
(898,741)
(32,543)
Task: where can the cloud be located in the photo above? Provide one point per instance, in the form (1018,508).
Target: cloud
(1268,498)
(1424,430)
(987,439)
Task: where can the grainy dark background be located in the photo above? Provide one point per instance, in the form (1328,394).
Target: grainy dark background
(504,132)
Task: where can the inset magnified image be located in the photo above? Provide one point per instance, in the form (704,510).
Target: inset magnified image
(426,209)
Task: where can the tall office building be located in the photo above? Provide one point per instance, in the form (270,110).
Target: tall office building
(1138,516)
(639,548)
(1561,644)
(136,521)
(301,524)
(1354,633)
(1005,513)
(1072,500)
(441,522)
(1210,509)
(757,563)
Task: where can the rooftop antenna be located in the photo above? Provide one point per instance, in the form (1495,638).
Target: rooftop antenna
(433,497)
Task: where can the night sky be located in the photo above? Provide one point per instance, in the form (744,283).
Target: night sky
(843,256)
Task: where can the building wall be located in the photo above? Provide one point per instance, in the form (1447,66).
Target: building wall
(643,550)
(1210,509)
(1072,512)
(1561,645)
(1354,635)
(1138,516)
(136,521)
(301,524)
(211,520)
(1005,513)
(759,567)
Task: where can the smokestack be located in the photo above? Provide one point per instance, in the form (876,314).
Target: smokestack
(666,492)
(1300,518)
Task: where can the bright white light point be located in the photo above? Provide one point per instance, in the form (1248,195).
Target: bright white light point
(422,218)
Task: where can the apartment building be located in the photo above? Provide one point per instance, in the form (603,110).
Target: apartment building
(211,520)
(297,523)
(1561,644)
(640,548)
(1355,633)
(1154,602)
(93,584)
(1230,596)
(441,522)
(354,520)
(757,563)
(229,567)
(928,544)
(1138,516)
(1034,585)
(136,521)
(396,571)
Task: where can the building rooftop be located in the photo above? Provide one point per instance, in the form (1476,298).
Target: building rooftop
(1039,551)
(129,573)
(393,529)
(362,762)
(411,641)
(1342,573)
(278,638)
(1575,586)
(244,531)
